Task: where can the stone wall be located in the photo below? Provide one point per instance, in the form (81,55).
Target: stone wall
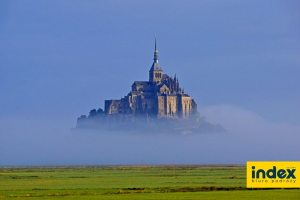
(184,106)
(161,106)
(171,106)
(112,106)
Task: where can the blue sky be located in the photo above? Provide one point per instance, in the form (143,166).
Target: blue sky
(59,59)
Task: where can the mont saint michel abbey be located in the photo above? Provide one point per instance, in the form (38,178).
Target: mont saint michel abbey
(160,96)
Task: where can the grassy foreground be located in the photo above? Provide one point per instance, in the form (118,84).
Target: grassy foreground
(133,182)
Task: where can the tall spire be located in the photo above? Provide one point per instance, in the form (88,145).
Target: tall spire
(155,53)
(155,43)
(155,66)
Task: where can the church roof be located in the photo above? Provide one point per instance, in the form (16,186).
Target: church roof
(160,86)
(170,95)
(165,76)
(185,95)
(135,92)
(142,83)
(155,67)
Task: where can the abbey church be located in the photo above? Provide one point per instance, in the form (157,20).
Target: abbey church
(160,96)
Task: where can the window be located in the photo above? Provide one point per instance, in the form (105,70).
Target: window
(157,75)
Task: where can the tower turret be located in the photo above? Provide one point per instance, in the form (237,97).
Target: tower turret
(155,73)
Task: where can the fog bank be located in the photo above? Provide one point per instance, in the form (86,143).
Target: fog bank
(249,137)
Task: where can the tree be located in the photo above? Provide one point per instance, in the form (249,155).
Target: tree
(82,117)
(93,113)
(100,111)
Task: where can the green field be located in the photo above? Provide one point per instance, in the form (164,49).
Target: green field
(133,182)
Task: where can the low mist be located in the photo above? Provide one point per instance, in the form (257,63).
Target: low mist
(248,137)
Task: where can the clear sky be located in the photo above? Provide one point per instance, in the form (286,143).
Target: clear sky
(239,60)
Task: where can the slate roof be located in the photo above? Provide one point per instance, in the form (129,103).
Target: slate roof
(142,83)
(155,67)
(173,95)
(165,76)
(135,92)
(185,95)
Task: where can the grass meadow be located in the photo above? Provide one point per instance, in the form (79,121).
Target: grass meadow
(133,182)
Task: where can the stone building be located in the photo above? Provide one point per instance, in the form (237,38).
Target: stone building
(161,96)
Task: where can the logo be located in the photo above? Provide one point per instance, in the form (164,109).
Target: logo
(273,174)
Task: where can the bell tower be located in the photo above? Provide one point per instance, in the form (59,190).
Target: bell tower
(155,73)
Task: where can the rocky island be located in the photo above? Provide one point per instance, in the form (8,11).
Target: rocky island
(156,105)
